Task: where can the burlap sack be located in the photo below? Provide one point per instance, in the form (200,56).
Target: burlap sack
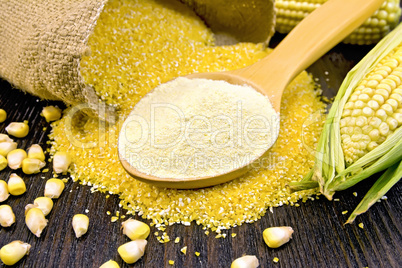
(41,42)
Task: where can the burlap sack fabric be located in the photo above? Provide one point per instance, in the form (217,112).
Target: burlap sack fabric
(41,42)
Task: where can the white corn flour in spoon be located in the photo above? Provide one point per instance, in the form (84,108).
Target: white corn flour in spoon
(189,128)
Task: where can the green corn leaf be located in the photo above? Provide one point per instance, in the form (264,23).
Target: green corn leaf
(379,189)
(374,154)
(302,185)
(389,159)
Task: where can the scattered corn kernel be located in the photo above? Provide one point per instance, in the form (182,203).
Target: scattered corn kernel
(234,235)
(354,193)
(32,165)
(6,147)
(16,185)
(3,115)
(344,212)
(80,224)
(4,194)
(275,237)
(276,260)
(361,225)
(5,137)
(135,229)
(43,203)
(110,264)
(132,251)
(248,261)
(61,162)
(11,253)
(177,240)
(54,188)
(18,129)
(184,250)
(35,221)
(7,217)
(197,253)
(15,158)
(3,162)
(51,113)
(36,151)
(114,218)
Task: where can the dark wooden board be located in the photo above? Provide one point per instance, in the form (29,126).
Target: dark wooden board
(320,238)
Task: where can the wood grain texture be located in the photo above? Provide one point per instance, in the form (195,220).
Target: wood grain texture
(320,238)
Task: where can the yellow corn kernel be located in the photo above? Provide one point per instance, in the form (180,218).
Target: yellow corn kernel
(275,237)
(6,147)
(16,185)
(171,262)
(32,165)
(36,152)
(248,261)
(54,188)
(43,203)
(35,221)
(197,253)
(184,250)
(3,162)
(5,137)
(132,251)
(135,229)
(3,115)
(11,253)
(18,129)
(4,194)
(110,264)
(15,158)
(80,224)
(7,217)
(51,113)
(275,260)
(61,162)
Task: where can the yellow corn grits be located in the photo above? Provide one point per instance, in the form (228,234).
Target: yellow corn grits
(136,46)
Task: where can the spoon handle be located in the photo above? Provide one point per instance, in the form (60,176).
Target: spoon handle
(308,41)
(322,30)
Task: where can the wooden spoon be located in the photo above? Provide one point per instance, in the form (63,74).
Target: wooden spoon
(307,42)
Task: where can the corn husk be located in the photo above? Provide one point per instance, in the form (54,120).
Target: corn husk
(330,172)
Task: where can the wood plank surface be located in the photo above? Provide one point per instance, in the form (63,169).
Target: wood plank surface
(320,239)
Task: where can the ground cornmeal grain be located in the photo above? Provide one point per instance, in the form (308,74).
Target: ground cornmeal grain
(136,46)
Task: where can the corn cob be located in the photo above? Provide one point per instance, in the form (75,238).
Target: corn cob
(290,12)
(362,134)
(374,110)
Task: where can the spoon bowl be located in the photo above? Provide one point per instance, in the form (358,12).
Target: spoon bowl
(308,41)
